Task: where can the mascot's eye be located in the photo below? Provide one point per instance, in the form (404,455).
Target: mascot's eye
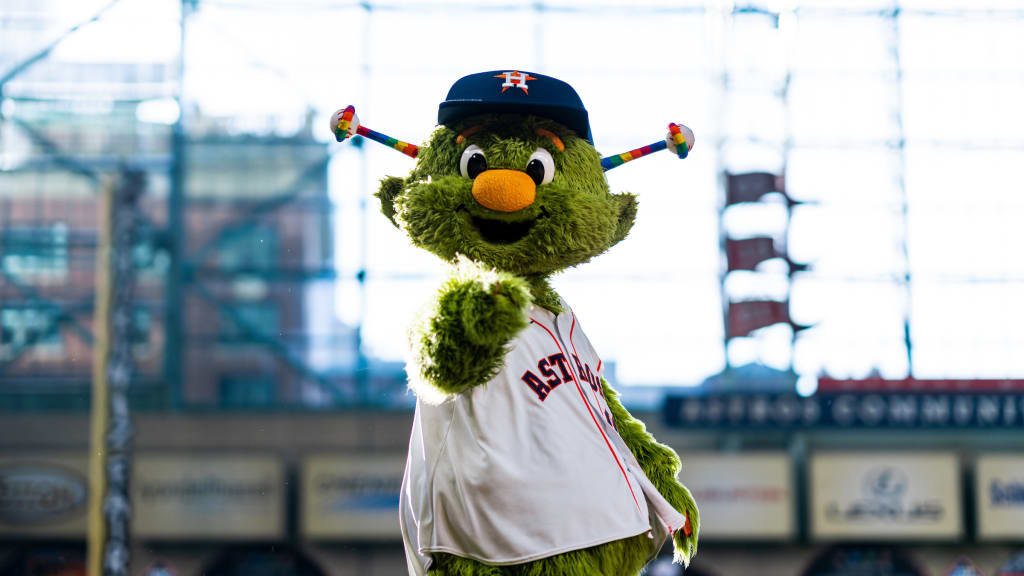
(473,161)
(541,167)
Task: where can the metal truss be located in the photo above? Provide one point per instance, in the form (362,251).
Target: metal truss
(189,273)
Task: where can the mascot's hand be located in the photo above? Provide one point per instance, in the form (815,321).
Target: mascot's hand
(492,305)
(685,539)
(461,340)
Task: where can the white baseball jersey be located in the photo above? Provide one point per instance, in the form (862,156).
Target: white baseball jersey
(528,465)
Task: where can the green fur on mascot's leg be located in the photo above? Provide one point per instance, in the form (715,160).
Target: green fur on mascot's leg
(619,558)
(661,464)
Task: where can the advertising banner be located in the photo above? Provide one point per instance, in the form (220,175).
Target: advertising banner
(219,497)
(746,254)
(747,316)
(748,497)
(44,495)
(352,497)
(750,187)
(999,486)
(885,496)
(908,410)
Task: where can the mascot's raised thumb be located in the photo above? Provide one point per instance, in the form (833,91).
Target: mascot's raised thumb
(522,459)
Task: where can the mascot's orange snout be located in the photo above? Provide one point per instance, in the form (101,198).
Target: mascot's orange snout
(504,190)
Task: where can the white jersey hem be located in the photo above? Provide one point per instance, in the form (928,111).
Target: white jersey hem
(538,556)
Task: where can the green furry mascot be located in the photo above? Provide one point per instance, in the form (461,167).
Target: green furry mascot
(522,460)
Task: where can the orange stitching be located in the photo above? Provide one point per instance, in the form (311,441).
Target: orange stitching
(468,132)
(555,139)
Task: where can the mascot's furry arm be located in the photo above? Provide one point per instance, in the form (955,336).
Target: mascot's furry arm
(661,464)
(460,342)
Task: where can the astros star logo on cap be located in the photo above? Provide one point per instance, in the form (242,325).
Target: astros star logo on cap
(488,93)
(514,78)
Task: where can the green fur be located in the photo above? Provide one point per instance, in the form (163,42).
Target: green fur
(661,464)
(390,188)
(617,558)
(462,338)
(544,295)
(460,342)
(577,217)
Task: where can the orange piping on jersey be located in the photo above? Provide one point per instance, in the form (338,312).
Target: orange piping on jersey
(591,412)
(576,355)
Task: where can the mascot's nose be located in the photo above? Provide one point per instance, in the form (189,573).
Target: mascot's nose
(504,190)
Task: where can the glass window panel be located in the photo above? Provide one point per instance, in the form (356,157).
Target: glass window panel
(656,331)
(755,46)
(968,330)
(952,46)
(832,44)
(830,110)
(963,111)
(847,242)
(845,176)
(858,327)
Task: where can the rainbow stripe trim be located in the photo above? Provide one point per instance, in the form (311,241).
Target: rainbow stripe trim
(677,138)
(341,132)
(410,150)
(613,161)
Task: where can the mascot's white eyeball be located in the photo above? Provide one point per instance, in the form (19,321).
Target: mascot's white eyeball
(541,167)
(473,161)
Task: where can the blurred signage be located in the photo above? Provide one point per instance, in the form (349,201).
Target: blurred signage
(352,496)
(750,187)
(742,496)
(850,410)
(44,495)
(219,497)
(999,485)
(864,561)
(878,496)
(746,254)
(832,385)
(746,316)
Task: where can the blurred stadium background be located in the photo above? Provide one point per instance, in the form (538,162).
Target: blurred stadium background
(820,309)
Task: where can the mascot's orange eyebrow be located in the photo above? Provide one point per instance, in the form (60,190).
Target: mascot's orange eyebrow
(555,139)
(468,132)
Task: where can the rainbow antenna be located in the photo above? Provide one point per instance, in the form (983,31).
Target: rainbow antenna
(345,124)
(679,139)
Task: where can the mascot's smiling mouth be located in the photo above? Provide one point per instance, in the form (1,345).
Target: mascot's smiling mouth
(504,232)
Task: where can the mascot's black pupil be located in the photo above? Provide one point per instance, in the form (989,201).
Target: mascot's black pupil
(535,170)
(477,164)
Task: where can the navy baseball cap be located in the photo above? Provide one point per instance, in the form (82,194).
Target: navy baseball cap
(517,92)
